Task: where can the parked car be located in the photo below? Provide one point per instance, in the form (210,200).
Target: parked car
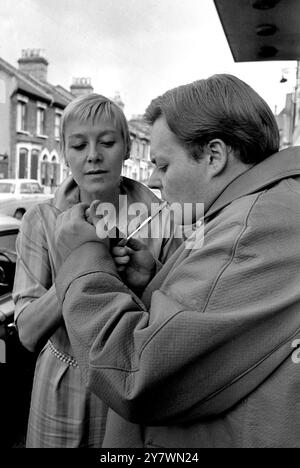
(20,193)
(9,228)
(16,363)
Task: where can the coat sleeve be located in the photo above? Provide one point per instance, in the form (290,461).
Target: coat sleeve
(37,311)
(213,331)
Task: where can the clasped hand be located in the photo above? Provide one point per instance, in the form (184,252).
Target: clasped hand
(72,230)
(76,226)
(134,261)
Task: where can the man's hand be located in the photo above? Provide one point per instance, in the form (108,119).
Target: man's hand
(73,230)
(135,264)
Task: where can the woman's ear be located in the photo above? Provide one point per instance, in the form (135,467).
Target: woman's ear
(217,153)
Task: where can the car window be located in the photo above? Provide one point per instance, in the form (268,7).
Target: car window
(25,188)
(8,240)
(7,260)
(36,188)
(6,187)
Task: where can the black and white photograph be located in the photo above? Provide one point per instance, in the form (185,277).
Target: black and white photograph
(149,227)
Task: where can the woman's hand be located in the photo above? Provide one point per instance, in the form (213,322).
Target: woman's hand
(73,230)
(135,264)
(91,213)
(105,226)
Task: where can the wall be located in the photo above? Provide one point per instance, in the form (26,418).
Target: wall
(46,144)
(5,89)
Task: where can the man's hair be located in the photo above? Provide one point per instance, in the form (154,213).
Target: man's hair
(91,107)
(223,107)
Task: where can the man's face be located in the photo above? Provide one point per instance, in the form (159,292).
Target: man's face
(180,178)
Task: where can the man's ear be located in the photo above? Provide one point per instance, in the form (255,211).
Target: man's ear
(217,154)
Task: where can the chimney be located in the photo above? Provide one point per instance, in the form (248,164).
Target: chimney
(34,63)
(81,86)
(117,100)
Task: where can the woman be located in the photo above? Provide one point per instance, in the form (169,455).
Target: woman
(95,141)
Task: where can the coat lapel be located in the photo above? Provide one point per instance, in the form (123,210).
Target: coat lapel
(281,165)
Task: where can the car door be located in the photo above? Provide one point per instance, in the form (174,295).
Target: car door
(16,363)
(8,256)
(7,272)
(37,192)
(25,191)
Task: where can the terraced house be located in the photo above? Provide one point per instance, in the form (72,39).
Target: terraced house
(30,114)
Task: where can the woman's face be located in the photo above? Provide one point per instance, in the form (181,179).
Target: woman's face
(95,153)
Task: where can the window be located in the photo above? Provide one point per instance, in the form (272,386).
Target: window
(55,172)
(141,150)
(36,188)
(34,164)
(148,152)
(57,121)
(134,149)
(25,188)
(23,164)
(8,240)
(22,116)
(7,259)
(6,187)
(45,171)
(138,149)
(41,121)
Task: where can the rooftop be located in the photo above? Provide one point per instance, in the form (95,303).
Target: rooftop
(40,89)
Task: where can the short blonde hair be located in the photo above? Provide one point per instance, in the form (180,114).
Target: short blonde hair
(91,107)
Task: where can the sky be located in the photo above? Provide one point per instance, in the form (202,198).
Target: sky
(139,48)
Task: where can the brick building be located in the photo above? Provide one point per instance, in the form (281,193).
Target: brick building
(285,122)
(288,121)
(139,166)
(30,113)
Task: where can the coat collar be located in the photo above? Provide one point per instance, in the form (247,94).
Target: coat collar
(281,165)
(68,193)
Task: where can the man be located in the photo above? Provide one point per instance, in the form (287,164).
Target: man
(203,357)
